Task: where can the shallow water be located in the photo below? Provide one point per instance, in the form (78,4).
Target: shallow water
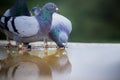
(80,61)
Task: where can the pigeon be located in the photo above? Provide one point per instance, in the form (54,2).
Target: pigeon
(26,29)
(19,8)
(60,29)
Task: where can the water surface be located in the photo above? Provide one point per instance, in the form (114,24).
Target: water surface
(80,61)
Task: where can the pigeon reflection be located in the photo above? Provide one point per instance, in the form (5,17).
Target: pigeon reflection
(30,67)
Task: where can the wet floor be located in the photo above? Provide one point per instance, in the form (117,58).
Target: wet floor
(80,61)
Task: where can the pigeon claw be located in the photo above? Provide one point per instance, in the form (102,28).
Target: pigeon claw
(46,46)
(9,46)
(20,46)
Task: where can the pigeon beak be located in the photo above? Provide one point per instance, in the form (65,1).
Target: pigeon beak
(57,10)
(64,44)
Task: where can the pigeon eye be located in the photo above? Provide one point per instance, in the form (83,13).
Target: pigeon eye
(52,6)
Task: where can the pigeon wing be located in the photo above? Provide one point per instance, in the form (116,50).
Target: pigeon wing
(24,26)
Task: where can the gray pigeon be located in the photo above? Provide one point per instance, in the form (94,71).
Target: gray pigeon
(26,29)
(60,30)
(19,8)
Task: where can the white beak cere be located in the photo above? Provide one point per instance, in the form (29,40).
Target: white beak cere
(57,9)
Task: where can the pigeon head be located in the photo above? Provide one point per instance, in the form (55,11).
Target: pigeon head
(45,13)
(51,7)
(36,10)
(62,39)
(59,36)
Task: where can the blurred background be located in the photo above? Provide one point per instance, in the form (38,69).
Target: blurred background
(93,20)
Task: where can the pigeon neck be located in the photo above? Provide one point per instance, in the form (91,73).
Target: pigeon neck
(45,15)
(45,20)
